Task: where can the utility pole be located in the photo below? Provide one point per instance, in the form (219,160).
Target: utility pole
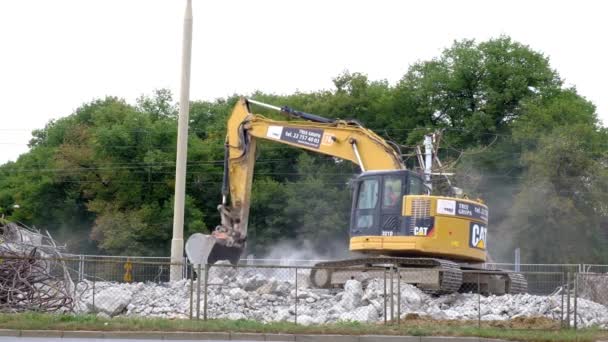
(428,160)
(177,243)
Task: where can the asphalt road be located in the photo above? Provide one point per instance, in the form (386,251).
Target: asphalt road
(47,339)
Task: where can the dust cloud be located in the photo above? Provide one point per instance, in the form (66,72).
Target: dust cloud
(306,250)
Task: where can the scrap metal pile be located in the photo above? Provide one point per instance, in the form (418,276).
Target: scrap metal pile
(32,275)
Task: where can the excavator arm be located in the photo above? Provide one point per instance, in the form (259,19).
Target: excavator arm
(337,138)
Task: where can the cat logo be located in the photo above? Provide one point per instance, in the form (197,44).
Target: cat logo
(423,231)
(478,236)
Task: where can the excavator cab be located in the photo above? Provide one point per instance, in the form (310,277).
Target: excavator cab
(393,213)
(378,202)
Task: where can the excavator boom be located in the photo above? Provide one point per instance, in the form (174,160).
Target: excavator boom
(337,138)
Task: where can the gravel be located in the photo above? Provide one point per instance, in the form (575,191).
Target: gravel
(262,296)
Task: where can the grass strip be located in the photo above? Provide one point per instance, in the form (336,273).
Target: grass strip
(40,321)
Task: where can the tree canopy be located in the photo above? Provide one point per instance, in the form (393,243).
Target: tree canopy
(102,178)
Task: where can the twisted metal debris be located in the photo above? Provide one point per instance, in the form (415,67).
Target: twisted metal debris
(32,278)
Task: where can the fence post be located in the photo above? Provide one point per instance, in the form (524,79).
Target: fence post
(296,299)
(568,300)
(80,267)
(561,311)
(76,282)
(198,292)
(191,292)
(392,296)
(385,299)
(575,300)
(206,290)
(478,301)
(94,309)
(398,296)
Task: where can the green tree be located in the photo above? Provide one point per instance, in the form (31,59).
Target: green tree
(560,212)
(474,90)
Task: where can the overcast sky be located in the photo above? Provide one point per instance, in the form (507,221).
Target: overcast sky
(57,54)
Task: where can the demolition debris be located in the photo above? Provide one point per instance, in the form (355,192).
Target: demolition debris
(255,295)
(31,278)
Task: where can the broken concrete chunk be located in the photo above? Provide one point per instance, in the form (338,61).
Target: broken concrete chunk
(112,301)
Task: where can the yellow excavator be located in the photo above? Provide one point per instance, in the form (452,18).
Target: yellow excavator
(394,219)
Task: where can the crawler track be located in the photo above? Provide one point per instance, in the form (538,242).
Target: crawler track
(518,283)
(449,277)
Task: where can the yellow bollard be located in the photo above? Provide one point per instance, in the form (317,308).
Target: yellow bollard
(128,277)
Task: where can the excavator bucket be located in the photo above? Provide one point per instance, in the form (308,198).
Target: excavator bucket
(198,248)
(221,252)
(208,249)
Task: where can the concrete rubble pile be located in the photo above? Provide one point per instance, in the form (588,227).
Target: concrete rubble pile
(252,294)
(594,286)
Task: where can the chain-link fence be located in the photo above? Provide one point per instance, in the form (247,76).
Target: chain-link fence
(591,292)
(307,295)
(112,268)
(130,287)
(518,300)
(542,286)
(564,268)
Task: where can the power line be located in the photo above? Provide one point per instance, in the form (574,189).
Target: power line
(112,167)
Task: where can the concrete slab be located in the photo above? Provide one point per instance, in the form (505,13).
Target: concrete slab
(246,337)
(326,338)
(187,335)
(280,337)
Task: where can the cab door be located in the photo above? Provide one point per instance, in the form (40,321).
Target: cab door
(364,216)
(390,207)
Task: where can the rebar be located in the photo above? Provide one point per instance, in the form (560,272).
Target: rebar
(28,283)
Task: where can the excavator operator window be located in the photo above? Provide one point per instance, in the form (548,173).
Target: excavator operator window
(391,197)
(416,186)
(367,200)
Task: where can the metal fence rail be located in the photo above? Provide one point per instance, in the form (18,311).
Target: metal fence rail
(591,268)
